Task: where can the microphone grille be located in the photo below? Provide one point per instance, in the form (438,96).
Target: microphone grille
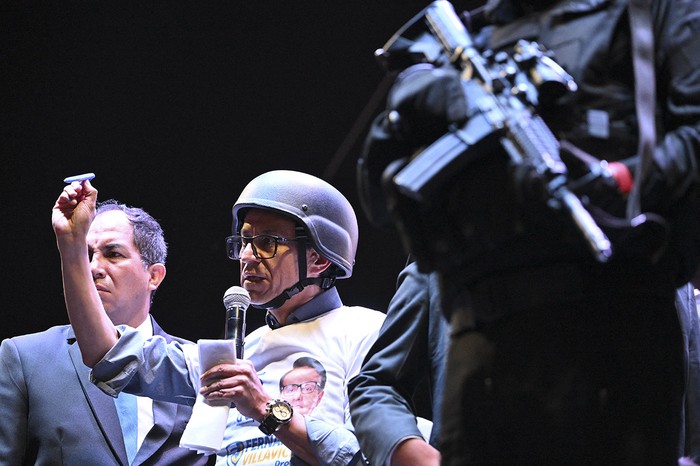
(236,296)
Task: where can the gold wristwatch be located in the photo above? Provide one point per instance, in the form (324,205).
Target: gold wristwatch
(279,413)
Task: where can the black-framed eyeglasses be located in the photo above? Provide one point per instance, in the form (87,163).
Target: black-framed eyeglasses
(264,246)
(306,388)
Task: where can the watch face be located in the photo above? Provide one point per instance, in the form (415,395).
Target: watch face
(281,411)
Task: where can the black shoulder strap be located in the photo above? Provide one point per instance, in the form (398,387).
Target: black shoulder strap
(645,95)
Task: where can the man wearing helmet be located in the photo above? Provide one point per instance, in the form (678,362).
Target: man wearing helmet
(310,213)
(294,235)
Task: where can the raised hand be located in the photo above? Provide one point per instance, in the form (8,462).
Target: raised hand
(73,212)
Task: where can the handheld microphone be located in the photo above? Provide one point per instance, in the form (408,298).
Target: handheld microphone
(236,301)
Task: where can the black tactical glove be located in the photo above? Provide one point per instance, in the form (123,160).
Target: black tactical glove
(424,102)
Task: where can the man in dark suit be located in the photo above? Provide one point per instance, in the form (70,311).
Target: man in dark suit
(51,412)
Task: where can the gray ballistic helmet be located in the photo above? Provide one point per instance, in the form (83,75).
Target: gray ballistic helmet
(326,214)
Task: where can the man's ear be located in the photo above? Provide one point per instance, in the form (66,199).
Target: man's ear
(315,264)
(157,273)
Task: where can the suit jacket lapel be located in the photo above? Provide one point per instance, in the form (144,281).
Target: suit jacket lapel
(164,417)
(101,404)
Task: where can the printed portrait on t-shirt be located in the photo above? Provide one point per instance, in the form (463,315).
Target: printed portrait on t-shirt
(303,385)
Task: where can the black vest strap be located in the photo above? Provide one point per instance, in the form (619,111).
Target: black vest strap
(645,95)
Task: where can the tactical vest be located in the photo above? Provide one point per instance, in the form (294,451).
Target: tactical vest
(483,224)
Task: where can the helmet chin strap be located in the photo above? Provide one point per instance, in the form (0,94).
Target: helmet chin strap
(323,282)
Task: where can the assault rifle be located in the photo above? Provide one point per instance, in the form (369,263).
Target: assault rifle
(503,91)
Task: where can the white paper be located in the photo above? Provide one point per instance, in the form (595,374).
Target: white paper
(205,430)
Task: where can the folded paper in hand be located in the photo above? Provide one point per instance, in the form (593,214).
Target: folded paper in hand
(205,429)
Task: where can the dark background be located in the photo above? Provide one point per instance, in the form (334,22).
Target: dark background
(175,106)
